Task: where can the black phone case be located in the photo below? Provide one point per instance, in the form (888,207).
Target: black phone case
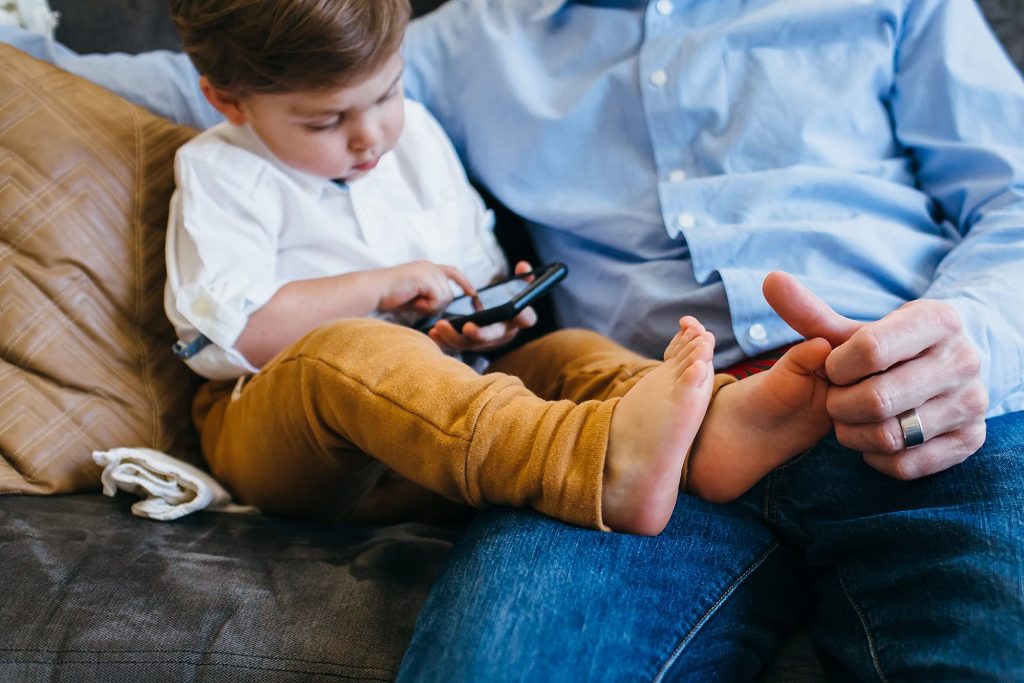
(547,277)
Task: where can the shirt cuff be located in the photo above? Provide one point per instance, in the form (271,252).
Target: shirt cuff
(222,323)
(1002,365)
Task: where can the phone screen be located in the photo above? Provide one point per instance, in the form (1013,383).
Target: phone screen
(489,297)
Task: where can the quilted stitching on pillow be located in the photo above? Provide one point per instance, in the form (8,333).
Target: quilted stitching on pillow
(85,360)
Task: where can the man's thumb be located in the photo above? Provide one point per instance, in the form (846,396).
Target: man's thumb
(804,311)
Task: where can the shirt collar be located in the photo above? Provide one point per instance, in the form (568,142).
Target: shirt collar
(246,138)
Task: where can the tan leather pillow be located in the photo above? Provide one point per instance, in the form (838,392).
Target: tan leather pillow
(85,360)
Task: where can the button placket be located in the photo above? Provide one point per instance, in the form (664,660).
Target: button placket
(658,61)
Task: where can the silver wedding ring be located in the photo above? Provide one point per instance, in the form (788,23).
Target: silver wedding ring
(913,432)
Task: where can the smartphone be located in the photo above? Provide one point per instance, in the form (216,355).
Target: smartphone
(500,301)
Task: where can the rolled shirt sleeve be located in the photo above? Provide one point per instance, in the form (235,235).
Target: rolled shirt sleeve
(221,253)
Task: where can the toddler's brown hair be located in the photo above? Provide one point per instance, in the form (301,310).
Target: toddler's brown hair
(276,46)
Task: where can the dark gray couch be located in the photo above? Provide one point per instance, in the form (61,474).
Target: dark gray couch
(90,593)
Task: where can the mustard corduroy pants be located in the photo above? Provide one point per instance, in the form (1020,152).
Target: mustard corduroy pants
(324,428)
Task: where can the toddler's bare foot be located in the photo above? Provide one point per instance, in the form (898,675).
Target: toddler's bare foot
(651,431)
(756,424)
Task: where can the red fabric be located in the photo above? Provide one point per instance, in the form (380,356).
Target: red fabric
(752,366)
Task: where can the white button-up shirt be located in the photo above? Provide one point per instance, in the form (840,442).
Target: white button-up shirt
(242,225)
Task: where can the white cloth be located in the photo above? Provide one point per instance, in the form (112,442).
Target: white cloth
(33,15)
(242,225)
(169,487)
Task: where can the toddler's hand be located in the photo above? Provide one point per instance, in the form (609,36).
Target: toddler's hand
(476,338)
(420,286)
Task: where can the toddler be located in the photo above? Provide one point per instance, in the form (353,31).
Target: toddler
(326,214)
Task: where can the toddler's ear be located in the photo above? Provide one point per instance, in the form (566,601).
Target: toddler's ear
(223,101)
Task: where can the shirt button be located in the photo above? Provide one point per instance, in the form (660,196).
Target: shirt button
(665,7)
(201,309)
(677,176)
(659,78)
(757,333)
(686,220)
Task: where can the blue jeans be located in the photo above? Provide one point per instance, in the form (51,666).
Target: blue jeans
(920,580)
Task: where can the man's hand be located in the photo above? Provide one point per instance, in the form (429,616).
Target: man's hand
(916,357)
(476,338)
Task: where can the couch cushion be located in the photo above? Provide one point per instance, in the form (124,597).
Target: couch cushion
(91,593)
(85,359)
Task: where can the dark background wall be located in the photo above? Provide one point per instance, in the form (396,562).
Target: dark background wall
(131,25)
(115,25)
(1007,18)
(137,25)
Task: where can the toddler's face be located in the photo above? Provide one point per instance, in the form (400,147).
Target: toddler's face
(338,133)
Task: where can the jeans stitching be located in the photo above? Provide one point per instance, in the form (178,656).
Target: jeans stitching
(795,459)
(766,504)
(872,648)
(711,611)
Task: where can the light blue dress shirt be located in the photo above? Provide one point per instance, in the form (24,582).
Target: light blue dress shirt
(674,152)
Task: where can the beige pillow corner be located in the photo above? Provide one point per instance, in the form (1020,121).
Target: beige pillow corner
(85,360)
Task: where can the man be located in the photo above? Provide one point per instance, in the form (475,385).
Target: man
(673,153)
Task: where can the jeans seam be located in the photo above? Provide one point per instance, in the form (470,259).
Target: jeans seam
(678,651)
(872,647)
(767,505)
